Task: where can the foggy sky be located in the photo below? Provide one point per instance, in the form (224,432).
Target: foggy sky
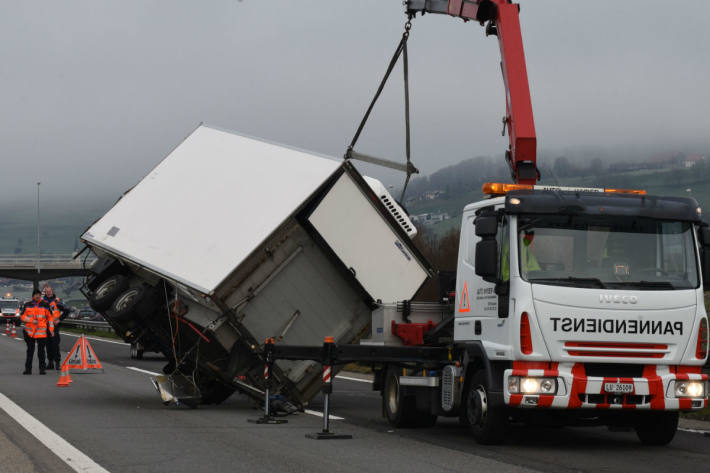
(94,93)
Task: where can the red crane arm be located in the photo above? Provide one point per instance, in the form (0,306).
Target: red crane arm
(502,19)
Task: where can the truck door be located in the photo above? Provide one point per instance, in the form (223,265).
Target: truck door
(477,304)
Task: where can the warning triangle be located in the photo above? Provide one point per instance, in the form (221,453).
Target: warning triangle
(463,300)
(82,357)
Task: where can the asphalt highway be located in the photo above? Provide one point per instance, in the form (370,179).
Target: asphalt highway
(115,422)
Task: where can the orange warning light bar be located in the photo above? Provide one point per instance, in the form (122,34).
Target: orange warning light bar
(625,191)
(498,188)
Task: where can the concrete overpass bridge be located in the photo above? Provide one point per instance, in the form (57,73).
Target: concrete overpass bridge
(29,268)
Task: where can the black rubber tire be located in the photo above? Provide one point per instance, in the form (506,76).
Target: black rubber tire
(401,411)
(134,302)
(107,292)
(488,424)
(657,429)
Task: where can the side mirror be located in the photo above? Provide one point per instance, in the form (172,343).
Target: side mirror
(487,226)
(704,236)
(486,263)
(704,265)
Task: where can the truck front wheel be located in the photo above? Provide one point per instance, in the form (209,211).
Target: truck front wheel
(657,428)
(487,422)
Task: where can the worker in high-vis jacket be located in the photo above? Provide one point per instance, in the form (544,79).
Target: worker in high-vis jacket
(37,318)
(528,261)
(59,313)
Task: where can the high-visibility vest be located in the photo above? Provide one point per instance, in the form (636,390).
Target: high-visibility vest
(54,309)
(37,319)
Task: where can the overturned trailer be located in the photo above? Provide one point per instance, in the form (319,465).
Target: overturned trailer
(230,240)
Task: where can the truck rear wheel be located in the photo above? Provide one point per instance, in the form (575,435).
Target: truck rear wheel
(657,428)
(488,423)
(107,291)
(401,410)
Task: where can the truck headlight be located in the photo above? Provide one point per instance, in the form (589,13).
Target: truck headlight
(531,385)
(689,389)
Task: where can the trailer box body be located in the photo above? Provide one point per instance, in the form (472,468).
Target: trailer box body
(257,240)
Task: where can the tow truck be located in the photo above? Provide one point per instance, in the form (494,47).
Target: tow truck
(572,305)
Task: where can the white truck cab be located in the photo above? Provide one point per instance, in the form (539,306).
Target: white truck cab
(585,300)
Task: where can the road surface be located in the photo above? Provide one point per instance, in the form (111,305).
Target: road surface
(116,423)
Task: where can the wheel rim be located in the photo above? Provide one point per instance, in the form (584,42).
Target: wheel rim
(126,299)
(478,406)
(393,396)
(105,288)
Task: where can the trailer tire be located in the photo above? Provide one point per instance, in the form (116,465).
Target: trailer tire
(657,428)
(487,423)
(135,302)
(401,411)
(107,292)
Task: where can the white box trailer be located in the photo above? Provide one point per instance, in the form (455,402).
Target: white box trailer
(230,240)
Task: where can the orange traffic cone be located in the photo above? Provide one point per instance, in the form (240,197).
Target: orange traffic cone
(64,378)
(7,327)
(13,334)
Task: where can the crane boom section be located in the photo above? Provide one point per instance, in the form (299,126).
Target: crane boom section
(503,20)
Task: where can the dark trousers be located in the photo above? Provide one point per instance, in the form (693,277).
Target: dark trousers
(41,344)
(53,346)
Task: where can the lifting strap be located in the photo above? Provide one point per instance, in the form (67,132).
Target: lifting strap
(350,153)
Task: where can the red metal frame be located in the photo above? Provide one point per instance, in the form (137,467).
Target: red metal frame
(519,115)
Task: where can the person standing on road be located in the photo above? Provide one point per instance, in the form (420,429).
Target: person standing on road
(38,319)
(59,313)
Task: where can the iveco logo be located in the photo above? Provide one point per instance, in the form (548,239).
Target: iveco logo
(618,299)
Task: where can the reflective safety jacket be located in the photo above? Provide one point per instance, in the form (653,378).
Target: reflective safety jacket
(37,318)
(56,308)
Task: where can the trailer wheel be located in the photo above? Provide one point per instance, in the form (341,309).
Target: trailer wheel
(106,292)
(487,423)
(136,353)
(401,411)
(657,428)
(136,302)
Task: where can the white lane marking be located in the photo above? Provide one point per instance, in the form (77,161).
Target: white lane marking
(98,339)
(695,431)
(142,371)
(359,380)
(320,414)
(76,460)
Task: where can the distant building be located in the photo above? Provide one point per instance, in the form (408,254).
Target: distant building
(693,159)
(430,218)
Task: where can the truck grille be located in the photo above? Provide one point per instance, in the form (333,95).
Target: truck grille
(615,399)
(617,349)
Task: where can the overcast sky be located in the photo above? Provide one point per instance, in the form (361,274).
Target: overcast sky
(95,93)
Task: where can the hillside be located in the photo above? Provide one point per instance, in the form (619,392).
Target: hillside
(445,193)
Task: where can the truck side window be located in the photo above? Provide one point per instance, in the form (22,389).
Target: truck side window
(503,238)
(470,257)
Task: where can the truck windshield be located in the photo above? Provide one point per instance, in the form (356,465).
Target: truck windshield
(607,252)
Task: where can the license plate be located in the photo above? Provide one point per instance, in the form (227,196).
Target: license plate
(619,387)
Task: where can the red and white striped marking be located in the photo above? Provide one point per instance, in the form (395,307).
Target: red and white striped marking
(652,384)
(327,371)
(266,371)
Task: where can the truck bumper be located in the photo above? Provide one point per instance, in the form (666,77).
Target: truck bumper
(655,390)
